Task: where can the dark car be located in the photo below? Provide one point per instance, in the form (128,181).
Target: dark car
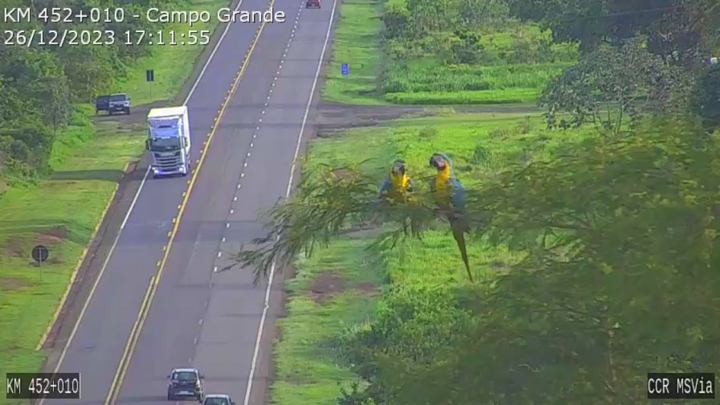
(102,103)
(113,103)
(185,383)
(312,3)
(217,399)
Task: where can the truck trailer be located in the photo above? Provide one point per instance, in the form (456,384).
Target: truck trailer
(169,141)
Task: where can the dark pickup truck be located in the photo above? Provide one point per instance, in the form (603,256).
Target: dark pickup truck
(113,103)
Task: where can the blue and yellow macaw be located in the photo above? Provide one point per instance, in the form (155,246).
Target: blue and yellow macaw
(450,198)
(397,185)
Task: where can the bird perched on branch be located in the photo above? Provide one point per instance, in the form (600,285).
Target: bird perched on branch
(397,189)
(397,185)
(450,199)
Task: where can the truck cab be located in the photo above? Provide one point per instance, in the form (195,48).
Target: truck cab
(169,141)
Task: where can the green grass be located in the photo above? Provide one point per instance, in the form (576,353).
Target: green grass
(357,43)
(506,137)
(309,372)
(309,369)
(427,76)
(62,213)
(512,96)
(172,64)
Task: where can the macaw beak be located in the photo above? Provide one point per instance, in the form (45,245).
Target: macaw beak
(400,169)
(437,162)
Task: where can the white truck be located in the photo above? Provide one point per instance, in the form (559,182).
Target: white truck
(169,141)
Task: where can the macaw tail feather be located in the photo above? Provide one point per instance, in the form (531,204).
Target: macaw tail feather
(459,235)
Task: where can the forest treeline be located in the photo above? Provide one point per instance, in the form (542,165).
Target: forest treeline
(41,85)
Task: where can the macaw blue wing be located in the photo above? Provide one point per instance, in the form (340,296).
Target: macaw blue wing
(458,194)
(385,186)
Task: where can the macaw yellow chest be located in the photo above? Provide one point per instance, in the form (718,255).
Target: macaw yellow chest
(399,183)
(442,186)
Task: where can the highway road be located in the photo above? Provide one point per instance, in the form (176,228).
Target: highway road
(158,304)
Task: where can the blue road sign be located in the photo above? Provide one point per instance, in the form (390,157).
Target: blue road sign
(150,75)
(345,69)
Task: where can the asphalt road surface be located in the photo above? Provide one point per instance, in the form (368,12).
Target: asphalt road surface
(197,317)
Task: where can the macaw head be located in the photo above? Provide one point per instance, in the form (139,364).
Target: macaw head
(440,161)
(398,168)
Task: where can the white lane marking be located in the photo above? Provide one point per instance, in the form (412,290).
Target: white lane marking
(127,216)
(258,341)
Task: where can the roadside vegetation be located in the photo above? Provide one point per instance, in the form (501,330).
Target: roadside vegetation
(441,52)
(594,240)
(59,167)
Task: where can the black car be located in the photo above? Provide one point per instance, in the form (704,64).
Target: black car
(113,103)
(185,383)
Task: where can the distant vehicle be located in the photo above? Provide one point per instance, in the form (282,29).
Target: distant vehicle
(102,103)
(185,383)
(169,141)
(312,3)
(217,399)
(113,103)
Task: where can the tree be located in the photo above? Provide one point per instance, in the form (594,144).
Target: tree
(672,25)
(706,98)
(611,87)
(475,14)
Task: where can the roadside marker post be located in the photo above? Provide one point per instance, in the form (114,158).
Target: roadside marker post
(150,78)
(344,69)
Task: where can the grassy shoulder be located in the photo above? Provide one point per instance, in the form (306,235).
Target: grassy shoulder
(64,211)
(481,145)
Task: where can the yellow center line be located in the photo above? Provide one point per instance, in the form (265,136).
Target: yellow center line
(155,281)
